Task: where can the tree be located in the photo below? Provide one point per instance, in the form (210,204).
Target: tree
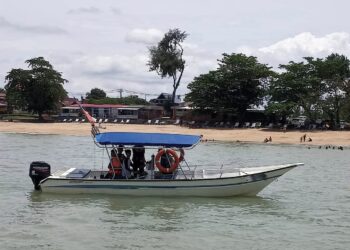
(334,72)
(318,87)
(96,93)
(298,86)
(37,89)
(238,83)
(166,58)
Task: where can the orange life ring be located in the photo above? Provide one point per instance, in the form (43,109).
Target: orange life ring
(173,165)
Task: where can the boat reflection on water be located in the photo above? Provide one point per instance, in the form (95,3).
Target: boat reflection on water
(162,207)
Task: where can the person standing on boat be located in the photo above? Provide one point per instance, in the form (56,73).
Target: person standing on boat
(121,155)
(127,164)
(166,159)
(114,166)
(138,161)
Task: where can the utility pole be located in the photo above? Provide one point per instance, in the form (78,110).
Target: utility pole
(120,92)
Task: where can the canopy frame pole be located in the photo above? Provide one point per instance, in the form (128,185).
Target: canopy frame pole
(183,172)
(110,159)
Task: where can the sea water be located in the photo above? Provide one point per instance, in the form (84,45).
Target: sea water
(308,208)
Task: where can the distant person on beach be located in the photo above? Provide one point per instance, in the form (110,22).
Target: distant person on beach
(268,139)
(304,137)
(309,140)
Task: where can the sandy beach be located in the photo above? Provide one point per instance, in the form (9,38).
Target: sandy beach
(338,138)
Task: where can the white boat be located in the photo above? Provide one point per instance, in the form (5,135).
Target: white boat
(176,179)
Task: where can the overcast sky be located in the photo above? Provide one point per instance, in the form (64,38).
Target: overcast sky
(104,43)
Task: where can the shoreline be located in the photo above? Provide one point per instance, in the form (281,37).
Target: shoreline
(240,135)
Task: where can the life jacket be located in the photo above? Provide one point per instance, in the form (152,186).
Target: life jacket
(116,166)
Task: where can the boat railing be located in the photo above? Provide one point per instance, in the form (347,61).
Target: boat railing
(196,171)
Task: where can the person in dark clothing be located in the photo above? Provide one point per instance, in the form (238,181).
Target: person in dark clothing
(127,164)
(120,154)
(138,160)
(166,160)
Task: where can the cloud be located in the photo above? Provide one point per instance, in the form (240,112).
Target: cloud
(85,10)
(129,71)
(111,65)
(116,11)
(145,36)
(37,29)
(302,45)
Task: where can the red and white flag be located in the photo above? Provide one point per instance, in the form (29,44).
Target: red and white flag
(88,116)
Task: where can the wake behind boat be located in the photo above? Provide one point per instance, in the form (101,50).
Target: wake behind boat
(167,173)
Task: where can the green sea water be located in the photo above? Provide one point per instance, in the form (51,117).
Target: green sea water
(308,208)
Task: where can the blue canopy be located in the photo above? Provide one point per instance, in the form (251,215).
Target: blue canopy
(147,139)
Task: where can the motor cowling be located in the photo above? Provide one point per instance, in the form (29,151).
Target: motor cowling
(38,171)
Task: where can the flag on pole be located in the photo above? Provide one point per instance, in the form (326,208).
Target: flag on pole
(87,115)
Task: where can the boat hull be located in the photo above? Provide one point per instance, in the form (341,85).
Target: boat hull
(243,185)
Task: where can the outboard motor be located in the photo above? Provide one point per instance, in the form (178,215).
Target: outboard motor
(38,171)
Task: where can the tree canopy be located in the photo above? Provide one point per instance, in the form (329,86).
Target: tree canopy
(318,88)
(128,100)
(238,83)
(167,57)
(296,88)
(37,89)
(334,72)
(96,94)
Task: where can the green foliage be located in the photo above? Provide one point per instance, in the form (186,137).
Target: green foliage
(239,82)
(319,88)
(166,58)
(96,93)
(334,71)
(298,86)
(129,100)
(38,89)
